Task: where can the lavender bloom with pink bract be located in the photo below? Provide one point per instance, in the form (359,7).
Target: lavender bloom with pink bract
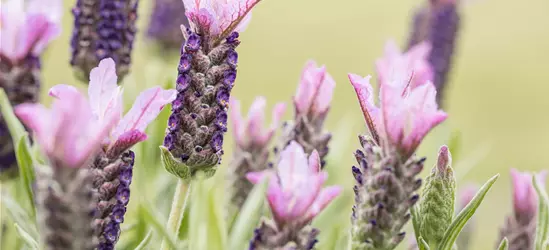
(206,75)
(312,103)
(24,34)
(113,166)
(251,149)
(70,136)
(520,227)
(295,196)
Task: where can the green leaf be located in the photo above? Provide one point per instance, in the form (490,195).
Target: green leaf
(466,213)
(173,165)
(504,245)
(248,218)
(198,221)
(151,217)
(216,218)
(26,169)
(422,244)
(542,227)
(416,221)
(14,126)
(26,237)
(145,241)
(18,214)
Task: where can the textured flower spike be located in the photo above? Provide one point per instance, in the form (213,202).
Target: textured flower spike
(438,22)
(25,33)
(206,76)
(103,29)
(251,151)
(113,166)
(69,136)
(312,103)
(295,196)
(437,204)
(166,19)
(466,194)
(521,226)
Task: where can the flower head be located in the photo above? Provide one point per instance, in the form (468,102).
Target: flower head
(68,133)
(406,113)
(295,191)
(525,200)
(249,131)
(28,31)
(105,98)
(315,90)
(218,18)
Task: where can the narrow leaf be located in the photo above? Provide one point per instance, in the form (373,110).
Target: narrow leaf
(504,245)
(422,244)
(542,227)
(198,221)
(26,237)
(14,126)
(151,217)
(217,218)
(249,217)
(459,222)
(26,169)
(145,241)
(416,221)
(18,214)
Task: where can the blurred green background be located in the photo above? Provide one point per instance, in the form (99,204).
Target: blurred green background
(497,95)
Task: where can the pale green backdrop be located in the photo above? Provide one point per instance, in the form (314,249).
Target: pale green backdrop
(497,97)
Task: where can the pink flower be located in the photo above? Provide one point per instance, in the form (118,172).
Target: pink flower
(406,113)
(295,191)
(315,90)
(105,98)
(249,131)
(68,133)
(524,195)
(219,17)
(411,66)
(24,32)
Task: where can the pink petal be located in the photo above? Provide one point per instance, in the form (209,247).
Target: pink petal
(293,165)
(104,94)
(59,90)
(125,142)
(145,109)
(257,177)
(314,162)
(38,119)
(278,112)
(306,88)
(233,13)
(521,188)
(12,22)
(365,96)
(256,118)
(324,95)
(324,198)
(444,159)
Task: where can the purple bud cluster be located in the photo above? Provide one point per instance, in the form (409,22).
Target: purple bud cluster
(102,29)
(164,26)
(112,179)
(199,113)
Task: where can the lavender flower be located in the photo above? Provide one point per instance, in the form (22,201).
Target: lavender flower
(295,196)
(69,135)
(251,151)
(206,76)
(103,29)
(113,166)
(25,34)
(520,227)
(386,175)
(312,103)
(165,21)
(437,22)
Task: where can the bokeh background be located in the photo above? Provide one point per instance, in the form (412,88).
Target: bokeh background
(497,95)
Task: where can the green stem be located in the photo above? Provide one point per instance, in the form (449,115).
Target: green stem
(178,209)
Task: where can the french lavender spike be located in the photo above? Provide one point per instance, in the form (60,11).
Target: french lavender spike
(25,34)
(166,19)
(69,136)
(438,22)
(437,204)
(206,76)
(103,29)
(311,105)
(251,150)
(520,227)
(112,166)
(465,195)
(296,197)
(387,171)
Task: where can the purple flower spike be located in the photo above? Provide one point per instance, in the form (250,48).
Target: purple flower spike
(165,21)
(103,29)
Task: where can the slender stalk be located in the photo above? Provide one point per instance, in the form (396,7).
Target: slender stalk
(178,209)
